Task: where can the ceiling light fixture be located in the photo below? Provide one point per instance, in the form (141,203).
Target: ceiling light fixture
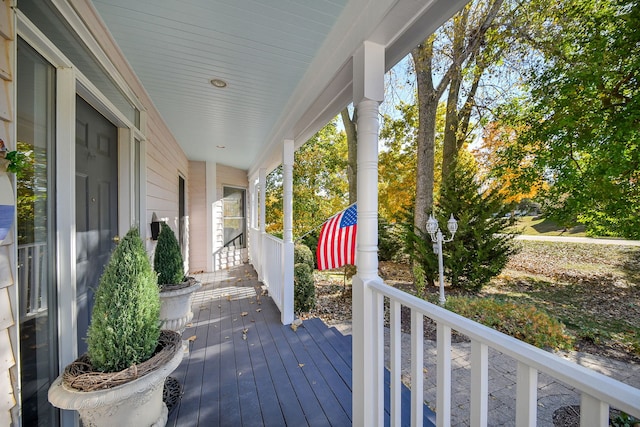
(218,83)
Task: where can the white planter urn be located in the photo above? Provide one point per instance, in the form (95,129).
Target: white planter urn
(135,404)
(175,307)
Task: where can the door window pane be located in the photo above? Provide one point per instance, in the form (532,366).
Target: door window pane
(234,217)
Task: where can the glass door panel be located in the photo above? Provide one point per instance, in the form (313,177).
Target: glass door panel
(36,238)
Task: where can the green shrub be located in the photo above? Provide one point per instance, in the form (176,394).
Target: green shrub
(481,247)
(524,322)
(304,293)
(303,255)
(167,260)
(389,240)
(311,241)
(125,323)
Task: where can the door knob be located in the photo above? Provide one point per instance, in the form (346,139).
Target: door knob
(116,239)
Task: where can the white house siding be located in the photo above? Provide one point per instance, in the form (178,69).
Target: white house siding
(165,162)
(227,177)
(198,216)
(8,304)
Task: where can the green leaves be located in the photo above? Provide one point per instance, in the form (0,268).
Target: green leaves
(125,322)
(583,115)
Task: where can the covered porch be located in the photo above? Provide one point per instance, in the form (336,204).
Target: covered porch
(181,147)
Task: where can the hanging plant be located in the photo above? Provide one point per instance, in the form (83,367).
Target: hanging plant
(15,161)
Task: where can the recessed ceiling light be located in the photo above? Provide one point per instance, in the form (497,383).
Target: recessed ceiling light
(218,83)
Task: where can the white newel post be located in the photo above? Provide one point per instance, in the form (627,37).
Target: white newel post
(287,256)
(262,183)
(368,92)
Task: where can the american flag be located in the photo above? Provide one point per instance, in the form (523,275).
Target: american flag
(337,242)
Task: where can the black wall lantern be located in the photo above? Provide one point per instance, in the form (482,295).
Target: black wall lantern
(155,227)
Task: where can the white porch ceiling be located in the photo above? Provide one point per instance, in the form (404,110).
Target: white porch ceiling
(287,64)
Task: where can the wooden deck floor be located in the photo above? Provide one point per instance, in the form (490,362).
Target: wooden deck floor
(245,368)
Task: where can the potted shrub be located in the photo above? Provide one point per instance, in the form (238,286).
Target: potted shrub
(119,381)
(176,290)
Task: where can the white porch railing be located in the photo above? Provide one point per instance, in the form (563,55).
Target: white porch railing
(272,251)
(597,392)
(255,238)
(32,278)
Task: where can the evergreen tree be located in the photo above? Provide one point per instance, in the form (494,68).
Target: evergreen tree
(125,324)
(481,247)
(167,260)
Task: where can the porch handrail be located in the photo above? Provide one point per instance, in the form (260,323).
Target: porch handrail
(233,241)
(597,391)
(272,248)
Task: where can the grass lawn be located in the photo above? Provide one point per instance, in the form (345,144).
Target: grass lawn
(535,226)
(593,289)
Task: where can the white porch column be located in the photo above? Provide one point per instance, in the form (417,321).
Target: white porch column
(368,92)
(262,184)
(287,257)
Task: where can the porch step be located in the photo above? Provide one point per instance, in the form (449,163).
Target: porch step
(337,348)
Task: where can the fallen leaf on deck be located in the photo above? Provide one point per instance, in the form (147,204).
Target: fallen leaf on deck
(188,325)
(258,310)
(191,338)
(244,313)
(300,365)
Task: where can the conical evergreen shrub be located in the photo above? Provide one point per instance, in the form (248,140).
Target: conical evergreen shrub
(482,246)
(125,324)
(167,261)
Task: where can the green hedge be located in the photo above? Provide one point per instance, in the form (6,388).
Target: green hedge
(304,291)
(521,321)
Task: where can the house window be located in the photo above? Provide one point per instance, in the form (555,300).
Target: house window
(234,217)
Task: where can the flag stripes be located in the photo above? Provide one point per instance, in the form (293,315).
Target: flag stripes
(337,241)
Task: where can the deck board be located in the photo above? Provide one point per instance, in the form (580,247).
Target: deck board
(274,377)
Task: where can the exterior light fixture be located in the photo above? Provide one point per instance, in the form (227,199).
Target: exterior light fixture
(436,237)
(220,84)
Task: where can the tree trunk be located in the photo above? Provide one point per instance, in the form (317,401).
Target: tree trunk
(449,144)
(352,156)
(428,98)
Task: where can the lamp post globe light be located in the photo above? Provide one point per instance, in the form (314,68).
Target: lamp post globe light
(438,239)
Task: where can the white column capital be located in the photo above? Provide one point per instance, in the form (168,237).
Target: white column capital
(368,73)
(288,151)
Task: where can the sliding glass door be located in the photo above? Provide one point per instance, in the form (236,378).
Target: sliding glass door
(36,235)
